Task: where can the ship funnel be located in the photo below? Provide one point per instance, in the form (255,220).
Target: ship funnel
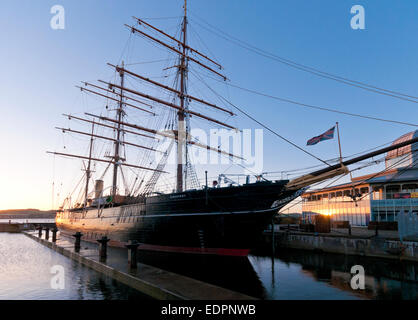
(98,188)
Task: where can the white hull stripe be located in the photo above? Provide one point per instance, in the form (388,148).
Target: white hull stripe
(172,215)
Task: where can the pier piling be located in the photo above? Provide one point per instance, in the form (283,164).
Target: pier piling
(103,247)
(77,243)
(54,235)
(47,234)
(40,231)
(273,242)
(132,253)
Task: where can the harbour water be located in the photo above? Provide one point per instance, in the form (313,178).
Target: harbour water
(25,273)
(298,274)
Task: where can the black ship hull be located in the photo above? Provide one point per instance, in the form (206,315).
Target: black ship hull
(221,221)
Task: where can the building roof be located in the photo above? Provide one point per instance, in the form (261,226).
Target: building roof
(404,150)
(400,175)
(336,188)
(392,176)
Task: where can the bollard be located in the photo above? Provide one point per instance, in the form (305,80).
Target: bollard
(40,232)
(103,247)
(273,247)
(77,243)
(349,229)
(47,234)
(132,253)
(206,188)
(54,235)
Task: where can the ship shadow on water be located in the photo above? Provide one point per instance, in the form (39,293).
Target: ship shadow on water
(233,273)
(289,274)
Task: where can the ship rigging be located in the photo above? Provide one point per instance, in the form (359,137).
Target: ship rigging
(191,219)
(128,98)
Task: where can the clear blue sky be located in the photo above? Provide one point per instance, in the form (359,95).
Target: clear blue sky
(40,67)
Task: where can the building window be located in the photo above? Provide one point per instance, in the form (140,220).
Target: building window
(412,187)
(364,190)
(347,193)
(377,192)
(339,194)
(391,190)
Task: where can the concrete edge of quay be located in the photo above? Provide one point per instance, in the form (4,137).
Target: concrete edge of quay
(378,247)
(155,291)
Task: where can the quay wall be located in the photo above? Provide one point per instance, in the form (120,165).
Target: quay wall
(19,227)
(372,247)
(12,228)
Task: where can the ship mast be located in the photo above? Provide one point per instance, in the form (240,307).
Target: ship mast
(181,136)
(119,93)
(182,68)
(119,115)
(88,171)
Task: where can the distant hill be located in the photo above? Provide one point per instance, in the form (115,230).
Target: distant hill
(26,214)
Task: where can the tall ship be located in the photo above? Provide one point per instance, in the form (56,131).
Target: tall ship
(203,218)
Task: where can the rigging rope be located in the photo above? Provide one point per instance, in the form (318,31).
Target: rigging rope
(315,107)
(362,85)
(261,124)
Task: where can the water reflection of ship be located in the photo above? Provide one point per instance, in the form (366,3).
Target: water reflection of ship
(104,287)
(384,279)
(234,273)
